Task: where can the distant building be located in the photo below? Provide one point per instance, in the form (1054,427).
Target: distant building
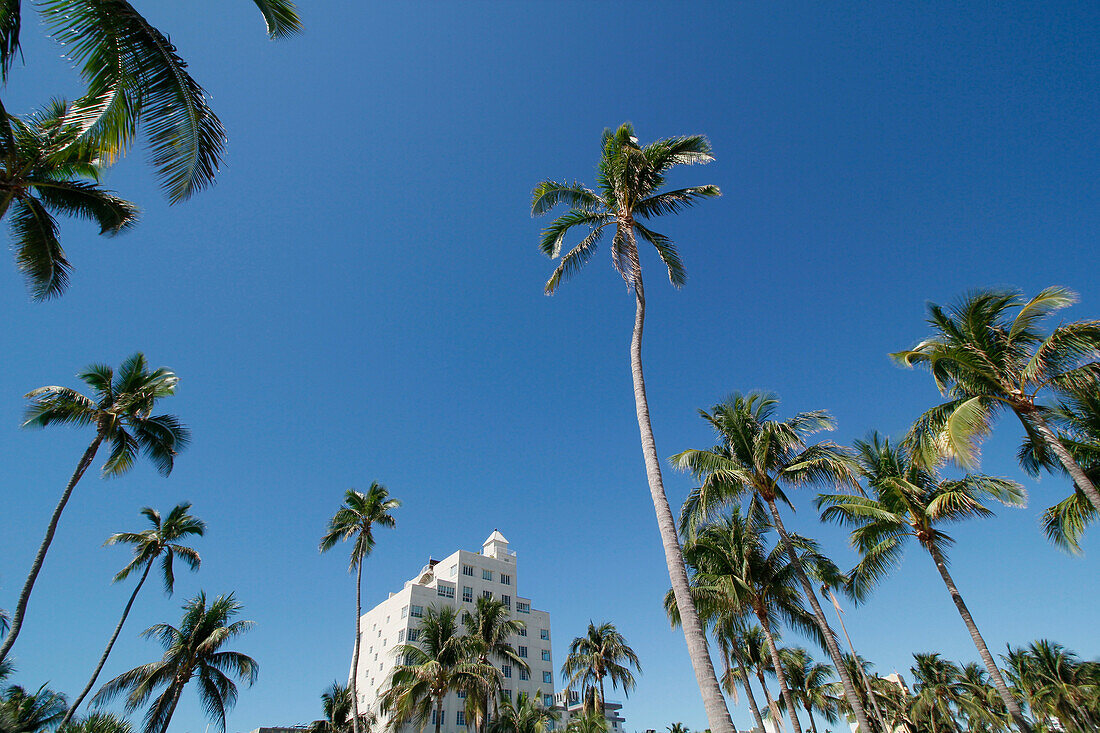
(570,704)
(456,581)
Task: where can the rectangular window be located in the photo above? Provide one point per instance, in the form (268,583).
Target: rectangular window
(400,636)
(461,718)
(548,701)
(547,678)
(487,594)
(544,634)
(522,652)
(467,594)
(414,634)
(505,579)
(508,694)
(468,570)
(445,591)
(454,570)
(523,631)
(546,655)
(524,674)
(507,670)
(461,694)
(376,657)
(408,661)
(486,574)
(417,611)
(404,611)
(384,642)
(523,607)
(507,600)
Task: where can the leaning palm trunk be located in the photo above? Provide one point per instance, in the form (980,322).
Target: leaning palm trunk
(780,675)
(859,667)
(823,624)
(748,691)
(773,709)
(355,652)
(1072,468)
(438,713)
(106,652)
(715,705)
(40,557)
(1011,704)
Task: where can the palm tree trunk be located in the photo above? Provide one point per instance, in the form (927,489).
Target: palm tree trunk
(355,652)
(995,677)
(748,692)
(823,624)
(1074,470)
(810,715)
(438,713)
(174,700)
(106,652)
(718,715)
(776,716)
(784,690)
(603,702)
(859,667)
(39,558)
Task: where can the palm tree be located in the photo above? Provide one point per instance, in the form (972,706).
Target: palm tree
(135,77)
(630,180)
(758,455)
(1057,685)
(122,415)
(590,721)
(911,501)
(43,173)
(986,361)
(601,653)
(159,542)
(889,697)
(753,649)
(30,712)
(337,707)
(488,629)
(354,521)
(440,661)
(938,694)
(730,632)
(97,723)
(193,650)
(677,728)
(810,682)
(526,715)
(980,703)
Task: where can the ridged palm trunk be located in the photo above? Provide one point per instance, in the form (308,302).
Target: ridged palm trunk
(773,708)
(780,675)
(1072,468)
(355,652)
(718,715)
(748,691)
(438,713)
(822,623)
(40,557)
(106,652)
(179,684)
(995,676)
(810,715)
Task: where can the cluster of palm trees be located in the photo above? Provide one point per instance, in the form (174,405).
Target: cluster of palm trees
(121,411)
(987,354)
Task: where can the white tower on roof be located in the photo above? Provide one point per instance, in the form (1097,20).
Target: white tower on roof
(496,546)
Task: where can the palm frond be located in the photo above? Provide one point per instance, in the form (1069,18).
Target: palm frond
(668,252)
(281,17)
(38,251)
(88,201)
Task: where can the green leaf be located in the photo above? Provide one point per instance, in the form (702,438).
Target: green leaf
(38,251)
(281,17)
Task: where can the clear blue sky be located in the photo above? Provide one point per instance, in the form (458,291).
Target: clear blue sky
(360,297)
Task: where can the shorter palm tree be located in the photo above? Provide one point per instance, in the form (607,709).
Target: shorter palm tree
(488,629)
(526,715)
(677,728)
(159,542)
(195,649)
(30,712)
(601,653)
(337,708)
(1061,690)
(809,681)
(589,721)
(938,693)
(98,722)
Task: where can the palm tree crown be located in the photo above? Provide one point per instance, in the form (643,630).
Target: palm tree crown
(601,653)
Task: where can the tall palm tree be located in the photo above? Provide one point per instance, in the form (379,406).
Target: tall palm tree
(911,501)
(1057,685)
(135,78)
(488,629)
(440,661)
(121,412)
(337,708)
(195,649)
(753,649)
(986,361)
(630,182)
(758,455)
(938,693)
(810,682)
(980,703)
(889,697)
(44,173)
(601,653)
(354,521)
(159,542)
(729,632)
(30,712)
(526,715)
(98,722)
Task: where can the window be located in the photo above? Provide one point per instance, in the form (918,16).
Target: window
(461,718)
(548,701)
(467,594)
(523,631)
(379,667)
(414,634)
(505,579)
(454,570)
(384,642)
(507,670)
(408,661)
(387,619)
(435,714)
(380,633)
(508,694)
(400,636)
(507,600)
(487,594)
(461,694)
(486,574)
(468,570)
(546,655)
(523,607)
(524,674)
(370,650)
(544,634)
(522,652)
(547,677)
(417,611)
(376,657)
(446,591)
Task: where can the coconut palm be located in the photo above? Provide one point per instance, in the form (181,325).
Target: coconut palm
(980,704)
(987,360)
(677,728)
(194,650)
(30,712)
(156,543)
(135,77)
(752,648)
(909,500)
(355,521)
(1057,685)
(630,182)
(98,722)
(760,456)
(729,632)
(526,715)
(809,681)
(589,721)
(337,707)
(488,629)
(938,693)
(121,412)
(440,661)
(43,173)
(888,696)
(601,653)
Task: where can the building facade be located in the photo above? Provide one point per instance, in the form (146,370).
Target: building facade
(569,704)
(456,581)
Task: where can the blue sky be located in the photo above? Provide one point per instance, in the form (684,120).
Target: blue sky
(360,298)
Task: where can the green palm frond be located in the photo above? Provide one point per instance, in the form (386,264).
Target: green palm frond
(10,22)
(575,259)
(668,252)
(281,17)
(1065,522)
(549,194)
(38,251)
(674,202)
(1039,307)
(87,201)
(968,422)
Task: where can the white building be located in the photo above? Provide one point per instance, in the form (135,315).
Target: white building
(570,704)
(456,581)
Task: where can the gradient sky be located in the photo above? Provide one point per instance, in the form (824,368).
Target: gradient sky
(360,298)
